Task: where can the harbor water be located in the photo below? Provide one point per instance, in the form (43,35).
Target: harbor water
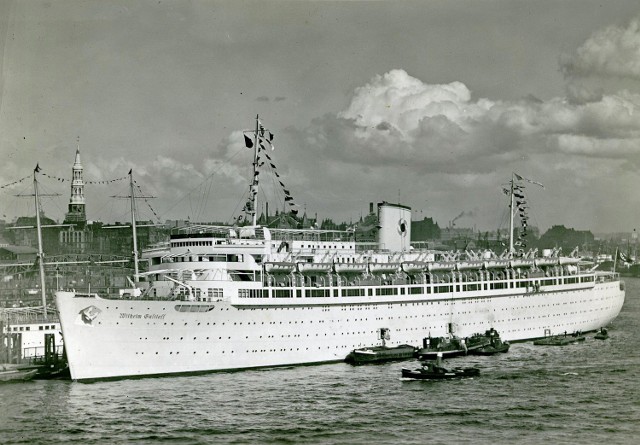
(583,393)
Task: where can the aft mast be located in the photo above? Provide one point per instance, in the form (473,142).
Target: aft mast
(133,228)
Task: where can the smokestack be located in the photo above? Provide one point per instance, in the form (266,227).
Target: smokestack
(370,207)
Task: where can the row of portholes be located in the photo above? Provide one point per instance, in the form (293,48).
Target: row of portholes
(381,318)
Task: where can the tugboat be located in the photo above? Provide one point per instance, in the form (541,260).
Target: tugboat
(435,371)
(495,346)
(451,346)
(378,354)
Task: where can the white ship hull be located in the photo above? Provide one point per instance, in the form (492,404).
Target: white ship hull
(116,338)
(222,298)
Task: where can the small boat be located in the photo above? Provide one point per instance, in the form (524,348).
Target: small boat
(379,354)
(53,371)
(560,340)
(495,345)
(16,373)
(451,346)
(383,353)
(434,371)
(446,346)
(602,334)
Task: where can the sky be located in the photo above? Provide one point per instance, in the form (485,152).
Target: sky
(431,104)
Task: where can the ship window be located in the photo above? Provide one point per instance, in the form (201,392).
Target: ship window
(442,289)
(353,292)
(194,307)
(257,293)
(283,293)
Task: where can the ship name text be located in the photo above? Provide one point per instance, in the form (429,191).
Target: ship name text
(141,316)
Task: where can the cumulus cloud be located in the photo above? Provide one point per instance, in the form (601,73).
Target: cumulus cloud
(397,119)
(613,51)
(437,142)
(398,100)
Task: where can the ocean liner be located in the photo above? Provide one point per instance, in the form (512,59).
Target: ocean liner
(228,298)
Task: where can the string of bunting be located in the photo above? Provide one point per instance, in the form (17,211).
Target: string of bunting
(521,205)
(108,181)
(147,202)
(15,182)
(264,138)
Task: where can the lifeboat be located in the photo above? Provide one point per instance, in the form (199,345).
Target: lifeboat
(345,268)
(436,267)
(567,260)
(279,267)
(520,263)
(314,268)
(496,264)
(412,267)
(384,267)
(546,262)
(469,265)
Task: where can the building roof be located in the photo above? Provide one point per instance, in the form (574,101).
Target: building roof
(19,249)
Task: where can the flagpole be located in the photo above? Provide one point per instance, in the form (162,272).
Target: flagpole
(133,228)
(40,250)
(254,186)
(511,217)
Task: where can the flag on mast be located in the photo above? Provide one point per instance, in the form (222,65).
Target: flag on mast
(520,178)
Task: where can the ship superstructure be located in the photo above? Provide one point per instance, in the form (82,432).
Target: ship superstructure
(221,298)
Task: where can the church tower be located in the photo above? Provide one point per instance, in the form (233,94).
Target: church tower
(77,212)
(77,237)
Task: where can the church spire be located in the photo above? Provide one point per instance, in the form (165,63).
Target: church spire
(76,212)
